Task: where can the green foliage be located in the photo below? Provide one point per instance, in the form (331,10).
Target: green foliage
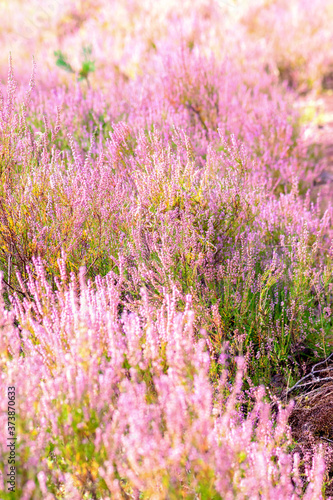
(87,65)
(61,62)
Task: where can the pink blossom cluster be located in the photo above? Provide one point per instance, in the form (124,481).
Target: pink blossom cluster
(115,391)
(123,405)
(162,252)
(293,39)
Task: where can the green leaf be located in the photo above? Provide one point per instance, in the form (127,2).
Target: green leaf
(87,67)
(62,63)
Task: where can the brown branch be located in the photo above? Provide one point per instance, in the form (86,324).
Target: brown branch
(326,439)
(197,112)
(14,289)
(313,374)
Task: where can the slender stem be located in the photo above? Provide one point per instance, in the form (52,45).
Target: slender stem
(12,288)
(9,267)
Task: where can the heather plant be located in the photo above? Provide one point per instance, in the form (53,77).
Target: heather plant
(291,39)
(124,405)
(162,255)
(299,65)
(139,199)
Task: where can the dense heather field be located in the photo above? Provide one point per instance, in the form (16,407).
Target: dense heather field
(166,265)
